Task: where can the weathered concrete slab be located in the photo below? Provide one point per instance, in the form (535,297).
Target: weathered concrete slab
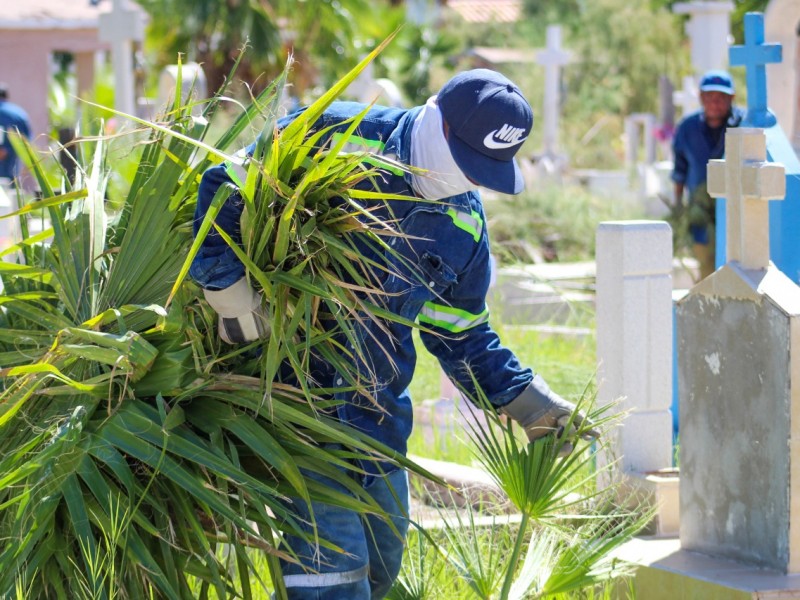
(738,338)
(668,572)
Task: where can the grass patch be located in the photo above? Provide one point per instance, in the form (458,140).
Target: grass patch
(564,216)
(567,362)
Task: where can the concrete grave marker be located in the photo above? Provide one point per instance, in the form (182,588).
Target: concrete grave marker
(784,217)
(366,88)
(553,58)
(708,29)
(120,28)
(634,123)
(688,97)
(634,353)
(781,21)
(193,81)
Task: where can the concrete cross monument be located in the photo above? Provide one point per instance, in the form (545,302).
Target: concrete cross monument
(784,217)
(553,58)
(738,338)
(747,181)
(121,27)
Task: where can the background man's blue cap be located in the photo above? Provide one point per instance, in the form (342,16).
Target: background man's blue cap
(488,119)
(717,81)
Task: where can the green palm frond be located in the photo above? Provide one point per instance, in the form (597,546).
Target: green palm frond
(133,447)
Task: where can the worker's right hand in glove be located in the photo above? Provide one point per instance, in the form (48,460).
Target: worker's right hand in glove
(242,315)
(541,412)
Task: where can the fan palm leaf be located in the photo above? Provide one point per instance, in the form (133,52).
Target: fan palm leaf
(569,525)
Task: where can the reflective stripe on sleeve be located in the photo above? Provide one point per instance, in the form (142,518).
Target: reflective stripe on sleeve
(470,222)
(314,580)
(451,319)
(371,149)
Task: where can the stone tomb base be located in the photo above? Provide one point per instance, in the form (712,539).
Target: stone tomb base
(667,572)
(659,489)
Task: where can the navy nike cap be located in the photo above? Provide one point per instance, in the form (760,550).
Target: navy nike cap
(488,119)
(717,81)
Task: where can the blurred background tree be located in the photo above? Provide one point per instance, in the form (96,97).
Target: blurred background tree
(326,37)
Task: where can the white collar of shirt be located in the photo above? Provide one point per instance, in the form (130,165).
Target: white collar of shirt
(429,151)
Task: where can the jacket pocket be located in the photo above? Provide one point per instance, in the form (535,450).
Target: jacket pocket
(433,277)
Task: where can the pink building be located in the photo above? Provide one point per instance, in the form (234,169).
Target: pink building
(30,32)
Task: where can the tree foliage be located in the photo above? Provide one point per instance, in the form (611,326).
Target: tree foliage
(325,36)
(618,65)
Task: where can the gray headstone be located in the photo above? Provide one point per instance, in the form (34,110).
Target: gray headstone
(737,333)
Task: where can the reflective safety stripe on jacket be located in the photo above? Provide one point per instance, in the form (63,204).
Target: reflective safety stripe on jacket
(451,319)
(315,580)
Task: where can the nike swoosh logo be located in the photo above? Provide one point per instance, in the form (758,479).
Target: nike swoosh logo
(490,142)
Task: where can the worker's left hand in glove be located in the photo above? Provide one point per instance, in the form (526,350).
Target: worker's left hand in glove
(242,316)
(540,412)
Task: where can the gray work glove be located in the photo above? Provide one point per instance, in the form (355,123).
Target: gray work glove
(540,412)
(242,317)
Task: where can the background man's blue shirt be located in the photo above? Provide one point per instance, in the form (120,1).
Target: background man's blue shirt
(695,144)
(12,117)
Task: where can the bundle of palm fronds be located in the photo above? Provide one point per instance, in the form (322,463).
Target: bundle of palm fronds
(133,445)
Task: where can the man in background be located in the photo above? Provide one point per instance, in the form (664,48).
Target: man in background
(12,119)
(700,137)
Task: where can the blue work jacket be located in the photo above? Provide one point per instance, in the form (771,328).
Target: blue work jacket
(441,281)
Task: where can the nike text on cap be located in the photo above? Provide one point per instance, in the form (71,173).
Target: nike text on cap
(488,119)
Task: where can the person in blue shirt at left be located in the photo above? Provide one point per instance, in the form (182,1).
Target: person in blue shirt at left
(699,138)
(12,118)
(464,137)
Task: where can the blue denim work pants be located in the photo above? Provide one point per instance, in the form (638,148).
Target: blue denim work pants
(372,551)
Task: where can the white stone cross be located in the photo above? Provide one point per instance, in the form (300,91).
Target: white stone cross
(553,58)
(688,97)
(120,28)
(747,181)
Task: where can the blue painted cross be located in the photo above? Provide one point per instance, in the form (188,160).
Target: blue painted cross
(754,56)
